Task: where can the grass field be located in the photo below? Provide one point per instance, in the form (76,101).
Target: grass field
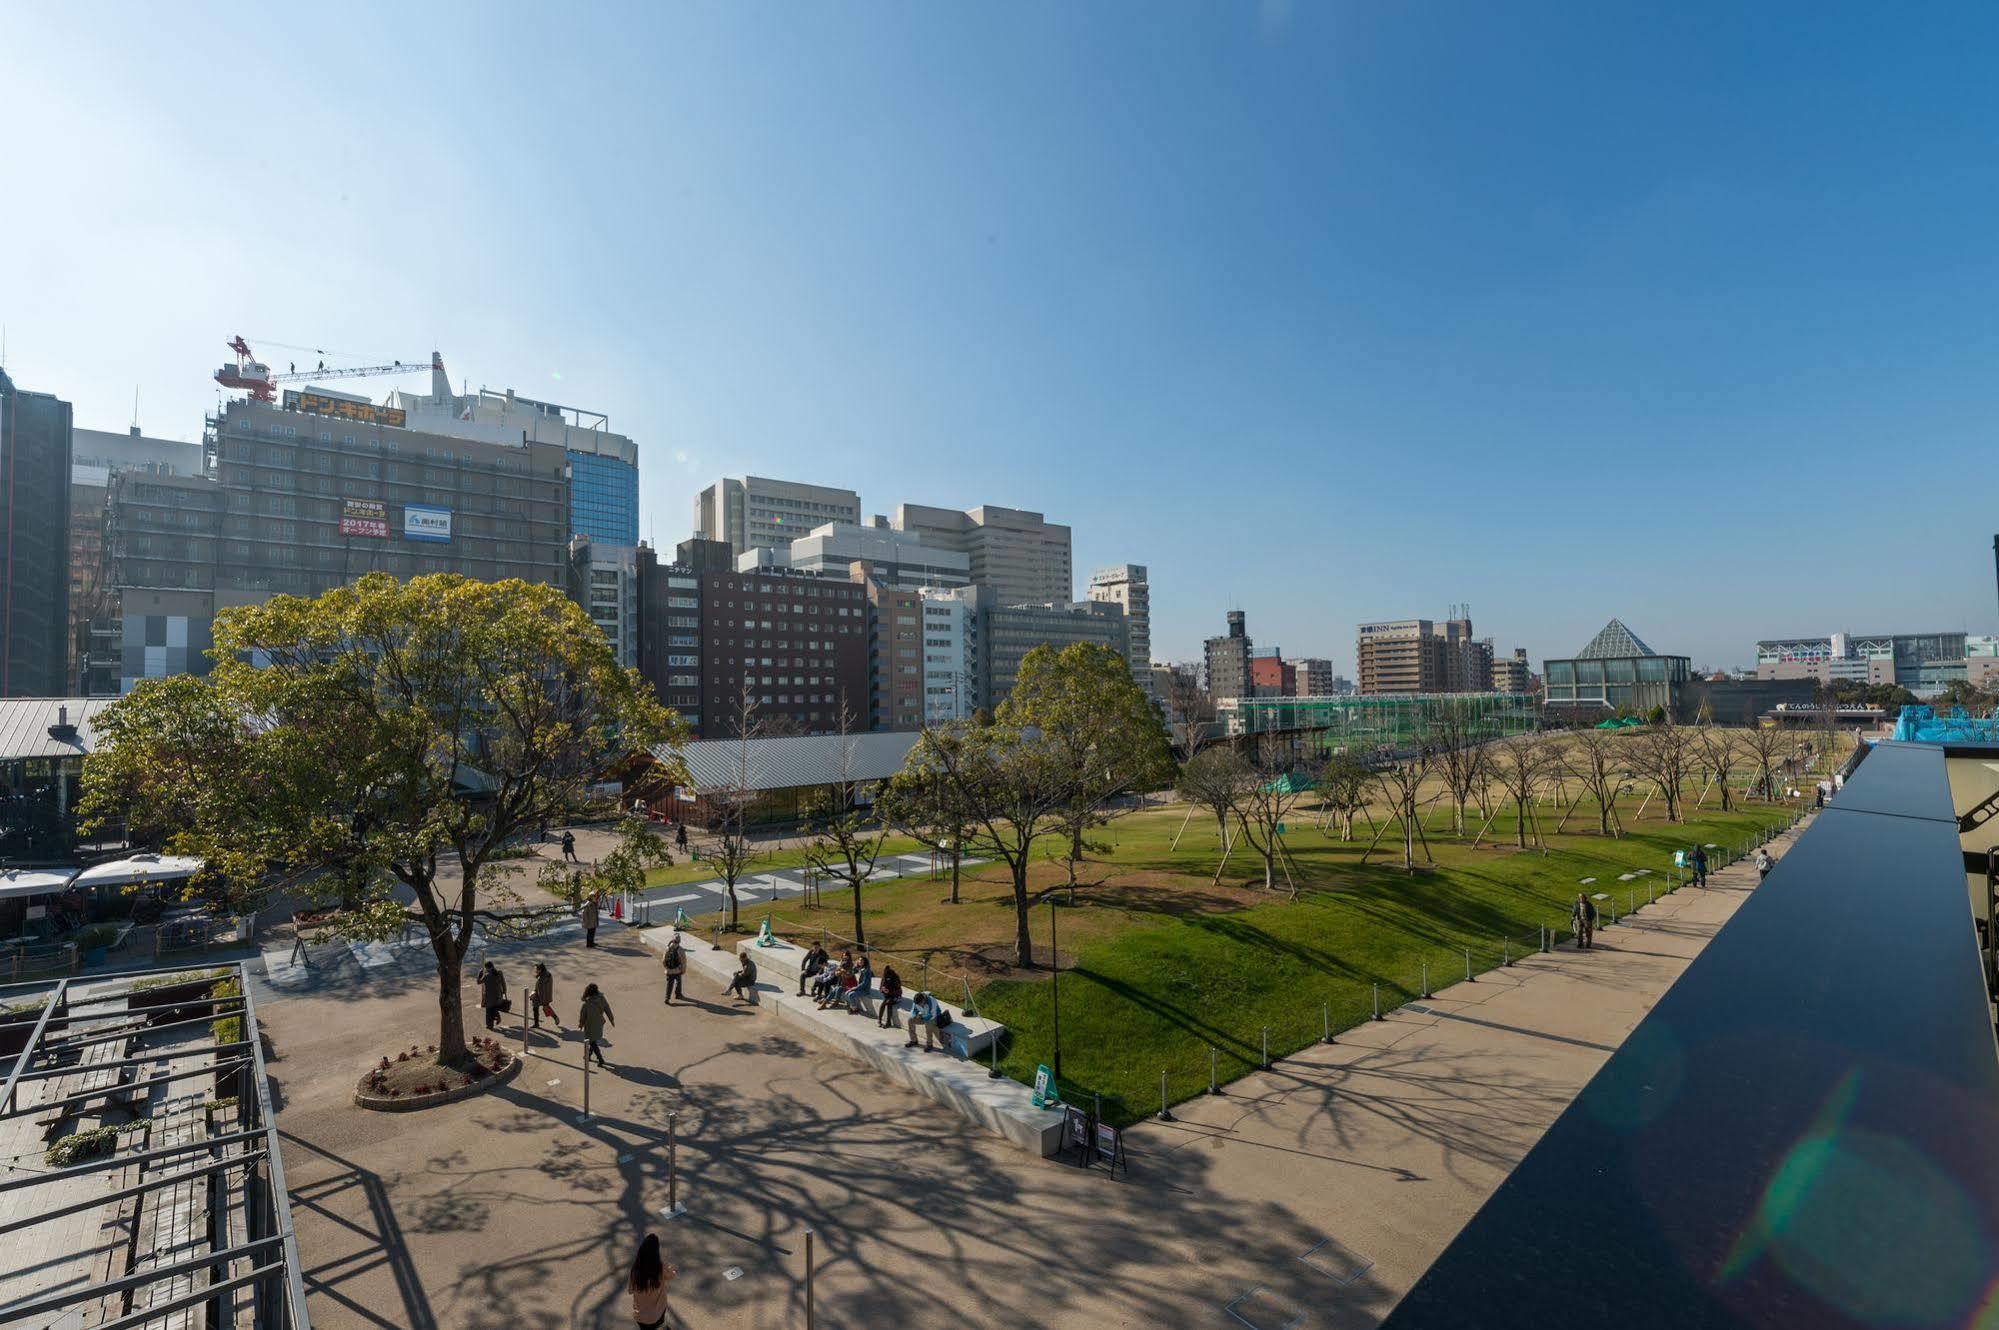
(700,870)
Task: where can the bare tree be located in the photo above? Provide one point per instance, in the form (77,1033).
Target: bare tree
(1664,755)
(1768,748)
(1591,756)
(1401,784)
(1459,747)
(1522,766)
(1265,793)
(1719,752)
(730,848)
(1209,783)
(1343,786)
(849,838)
(1190,713)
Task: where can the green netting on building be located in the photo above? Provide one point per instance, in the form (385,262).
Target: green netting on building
(1370,723)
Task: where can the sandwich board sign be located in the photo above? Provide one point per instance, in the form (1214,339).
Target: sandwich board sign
(1044,1088)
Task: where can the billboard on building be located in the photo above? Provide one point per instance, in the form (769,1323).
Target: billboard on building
(319,404)
(364,517)
(423,522)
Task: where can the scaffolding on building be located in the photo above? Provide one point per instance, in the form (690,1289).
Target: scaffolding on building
(1924,726)
(1390,722)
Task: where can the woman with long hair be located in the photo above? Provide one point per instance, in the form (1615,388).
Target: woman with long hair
(650,1276)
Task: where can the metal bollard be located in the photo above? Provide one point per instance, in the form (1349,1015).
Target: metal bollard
(1649,900)
(808,1279)
(586,1086)
(1631,901)
(1326,1020)
(1266,1048)
(1213,1088)
(1468,978)
(1506,950)
(1426,978)
(1164,1115)
(1377,1001)
(992,1046)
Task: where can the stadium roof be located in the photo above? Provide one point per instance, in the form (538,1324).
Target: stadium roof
(1615,642)
(791,762)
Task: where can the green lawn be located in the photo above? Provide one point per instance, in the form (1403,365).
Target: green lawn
(1157,965)
(700,870)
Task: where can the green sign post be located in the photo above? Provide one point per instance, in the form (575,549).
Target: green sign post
(1045,1095)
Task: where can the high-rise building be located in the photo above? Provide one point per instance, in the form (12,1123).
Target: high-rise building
(604,580)
(1227,661)
(310,495)
(1022,556)
(1006,633)
(1313,676)
(1510,673)
(1126,586)
(603,465)
(1421,656)
(756,512)
(895,655)
(1270,675)
(949,654)
(794,644)
(895,558)
(35,450)
(94,633)
(669,602)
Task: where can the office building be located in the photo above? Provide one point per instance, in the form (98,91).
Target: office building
(1401,656)
(1923,663)
(603,465)
(895,558)
(1510,673)
(895,655)
(756,512)
(1023,557)
(1226,661)
(309,495)
(1270,675)
(1006,633)
(949,654)
(1312,676)
(1127,586)
(35,451)
(1616,671)
(604,580)
(669,613)
(793,644)
(94,634)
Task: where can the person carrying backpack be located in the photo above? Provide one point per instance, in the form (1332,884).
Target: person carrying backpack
(1583,920)
(675,965)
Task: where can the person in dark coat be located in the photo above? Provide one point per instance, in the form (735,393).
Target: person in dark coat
(590,922)
(1699,861)
(680,835)
(744,982)
(891,994)
(492,993)
(569,847)
(815,961)
(542,998)
(596,1009)
(675,965)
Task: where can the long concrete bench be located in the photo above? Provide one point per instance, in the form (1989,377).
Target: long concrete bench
(1000,1105)
(781,961)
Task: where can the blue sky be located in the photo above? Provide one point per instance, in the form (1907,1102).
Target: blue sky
(1682,313)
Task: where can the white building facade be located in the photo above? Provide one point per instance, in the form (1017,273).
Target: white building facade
(1127,586)
(756,512)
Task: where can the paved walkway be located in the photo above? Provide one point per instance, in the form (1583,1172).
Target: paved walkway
(1311,1195)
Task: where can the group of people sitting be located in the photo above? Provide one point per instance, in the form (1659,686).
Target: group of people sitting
(850,981)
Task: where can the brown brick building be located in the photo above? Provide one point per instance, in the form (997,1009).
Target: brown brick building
(895,655)
(797,643)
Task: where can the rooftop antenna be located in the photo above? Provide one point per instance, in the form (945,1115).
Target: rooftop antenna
(135,408)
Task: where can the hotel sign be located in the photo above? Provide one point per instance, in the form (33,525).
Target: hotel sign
(367,413)
(364,517)
(423,522)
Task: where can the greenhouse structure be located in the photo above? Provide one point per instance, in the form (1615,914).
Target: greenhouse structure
(1373,724)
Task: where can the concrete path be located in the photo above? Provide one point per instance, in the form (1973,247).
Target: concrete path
(757,890)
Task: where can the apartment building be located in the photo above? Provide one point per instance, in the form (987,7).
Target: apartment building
(1313,676)
(35,451)
(949,656)
(1022,556)
(895,654)
(757,512)
(669,629)
(793,644)
(1510,674)
(1420,656)
(1227,661)
(1127,586)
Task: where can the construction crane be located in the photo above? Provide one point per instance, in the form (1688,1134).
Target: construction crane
(255,377)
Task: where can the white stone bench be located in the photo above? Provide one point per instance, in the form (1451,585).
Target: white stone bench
(968,1036)
(999,1104)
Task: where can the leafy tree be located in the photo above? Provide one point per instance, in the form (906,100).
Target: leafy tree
(927,808)
(1097,725)
(396,740)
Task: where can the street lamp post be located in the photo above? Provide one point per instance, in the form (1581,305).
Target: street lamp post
(1055,987)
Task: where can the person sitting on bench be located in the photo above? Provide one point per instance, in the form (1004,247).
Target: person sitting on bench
(864,980)
(743,985)
(832,979)
(891,994)
(815,961)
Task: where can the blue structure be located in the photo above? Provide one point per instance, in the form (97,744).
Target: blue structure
(603,499)
(1922,725)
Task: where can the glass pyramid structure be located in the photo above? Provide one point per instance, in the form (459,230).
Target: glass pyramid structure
(1615,642)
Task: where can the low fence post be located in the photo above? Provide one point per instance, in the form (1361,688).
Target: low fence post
(1326,1020)
(808,1279)
(1212,1087)
(1468,975)
(1649,899)
(1266,1048)
(586,1086)
(1506,950)
(1164,1114)
(1426,977)
(1377,1001)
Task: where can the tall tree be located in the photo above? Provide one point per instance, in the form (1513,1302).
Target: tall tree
(849,837)
(1091,720)
(1664,754)
(928,808)
(1594,758)
(1209,783)
(730,848)
(1343,786)
(1522,765)
(1190,713)
(1768,748)
(1458,745)
(1270,789)
(1719,752)
(393,743)
(1401,783)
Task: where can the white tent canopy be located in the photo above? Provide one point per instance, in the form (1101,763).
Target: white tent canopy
(139,869)
(34,882)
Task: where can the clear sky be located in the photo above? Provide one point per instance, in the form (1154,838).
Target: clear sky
(1679,312)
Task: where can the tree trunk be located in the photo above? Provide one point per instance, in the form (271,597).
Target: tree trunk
(954,870)
(1023,945)
(1270,864)
(451,1050)
(860,930)
(1409,837)
(729,889)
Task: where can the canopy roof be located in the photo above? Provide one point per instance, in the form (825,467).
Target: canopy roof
(139,868)
(34,882)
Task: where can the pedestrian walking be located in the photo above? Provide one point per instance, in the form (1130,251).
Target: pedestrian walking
(492,993)
(569,847)
(1763,864)
(1583,920)
(1698,861)
(650,1276)
(590,920)
(891,994)
(675,965)
(591,1017)
(680,835)
(542,998)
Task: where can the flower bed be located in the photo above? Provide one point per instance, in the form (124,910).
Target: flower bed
(412,1079)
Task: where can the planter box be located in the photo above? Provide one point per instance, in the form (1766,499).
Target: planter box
(175,1002)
